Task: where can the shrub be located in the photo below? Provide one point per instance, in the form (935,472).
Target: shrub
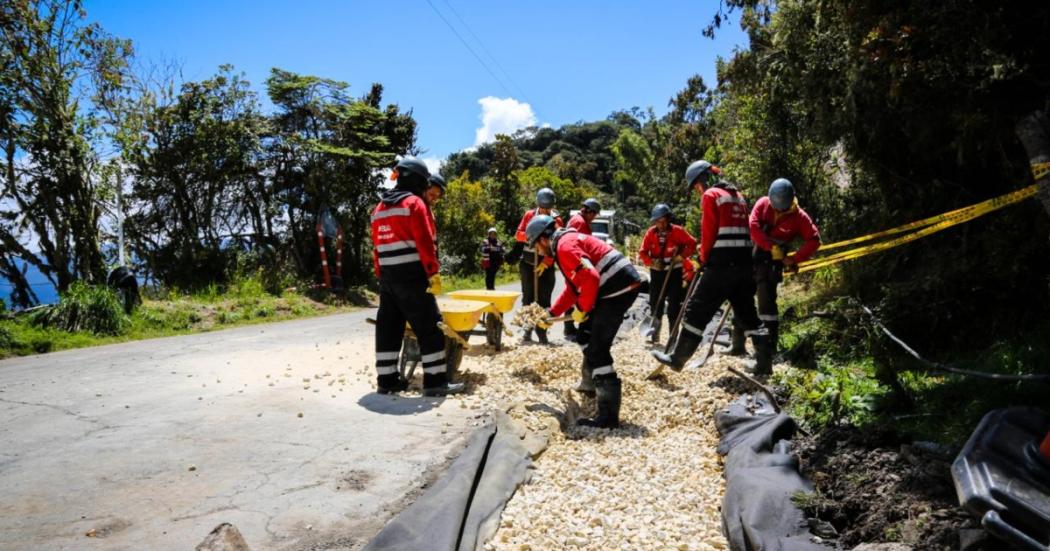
(83,307)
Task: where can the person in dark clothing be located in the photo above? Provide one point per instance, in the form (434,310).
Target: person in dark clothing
(405,261)
(725,251)
(537,281)
(491,258)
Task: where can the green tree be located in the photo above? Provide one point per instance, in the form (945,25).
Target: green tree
(54,70)
(463,217)
(197,180)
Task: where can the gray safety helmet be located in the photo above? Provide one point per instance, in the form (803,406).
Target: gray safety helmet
(491,230)
(545,198)
(699,170)
(659,211)
(411,164)
(781,194)
(437,180)
(540,225)
(592,205)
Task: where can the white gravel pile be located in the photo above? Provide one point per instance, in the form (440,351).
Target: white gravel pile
(655,483)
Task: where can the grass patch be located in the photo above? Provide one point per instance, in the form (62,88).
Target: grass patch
(476,281)
(845,372)
(170,313)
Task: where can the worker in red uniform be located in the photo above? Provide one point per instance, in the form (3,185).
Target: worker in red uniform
(406,264)
(491,258)
(725,252)
(537,280)
(581,221)
(666,248)
(776,221)
(602,284)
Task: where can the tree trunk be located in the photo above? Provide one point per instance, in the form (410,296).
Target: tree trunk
(1034,132)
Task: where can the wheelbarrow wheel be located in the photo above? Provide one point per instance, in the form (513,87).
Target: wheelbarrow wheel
(453,356)
(409,357)
(494,331)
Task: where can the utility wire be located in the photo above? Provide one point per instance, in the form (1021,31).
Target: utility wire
(947,368)
(471,50)
(487,52)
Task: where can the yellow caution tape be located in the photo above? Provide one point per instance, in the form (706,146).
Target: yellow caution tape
(1038,171)
(939,223)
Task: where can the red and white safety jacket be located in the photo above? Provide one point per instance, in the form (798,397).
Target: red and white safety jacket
(660,248)
(529,252)
(592,270)
(725,236)
(403,238)
(580,224)
(769,227)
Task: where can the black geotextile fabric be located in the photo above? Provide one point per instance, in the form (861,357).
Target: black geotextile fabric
(461,510)
(761,476)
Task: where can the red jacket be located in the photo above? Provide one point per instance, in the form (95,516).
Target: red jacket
(520,236)
(590,267)
(724,235)
(403,237)
(677,242)
(580,224)
(768,228)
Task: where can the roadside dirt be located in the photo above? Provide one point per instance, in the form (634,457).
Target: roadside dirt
(873,488)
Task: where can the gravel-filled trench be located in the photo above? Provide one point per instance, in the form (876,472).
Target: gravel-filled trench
(656,482)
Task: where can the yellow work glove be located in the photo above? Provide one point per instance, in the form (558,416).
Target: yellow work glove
(435,284)
(544,324)
(778,253)
(678,258)
(541,267)
(579,316)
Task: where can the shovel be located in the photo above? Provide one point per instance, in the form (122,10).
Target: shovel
(696,364)
(673,336)
(646,327)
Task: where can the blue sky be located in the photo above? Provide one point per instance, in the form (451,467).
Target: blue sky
(569,61)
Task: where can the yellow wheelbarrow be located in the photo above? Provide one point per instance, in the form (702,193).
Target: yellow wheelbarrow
(500,302)
(458,319)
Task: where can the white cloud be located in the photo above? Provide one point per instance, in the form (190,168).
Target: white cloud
(434,164)
(502,116)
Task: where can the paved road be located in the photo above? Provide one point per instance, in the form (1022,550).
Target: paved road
(151,444)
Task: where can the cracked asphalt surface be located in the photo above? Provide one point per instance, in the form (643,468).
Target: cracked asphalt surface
(151,444)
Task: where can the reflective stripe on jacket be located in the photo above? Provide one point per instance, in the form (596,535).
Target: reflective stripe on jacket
(677,242)
(403,244)
(725,237)
(592,270)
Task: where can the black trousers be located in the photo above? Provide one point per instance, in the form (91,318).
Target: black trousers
(546,286)
(597,333)
(401,302)
(718,284)
(672,296)
(490,278)
(768,276)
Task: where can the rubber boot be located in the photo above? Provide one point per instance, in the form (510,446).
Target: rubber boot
(687,344)
(763,354)
(391,383)
(655,337)
(528,336)
(774,336)
(541,335)
(738,347)
(608,390)
(570,331)
(586,384)
(438,385)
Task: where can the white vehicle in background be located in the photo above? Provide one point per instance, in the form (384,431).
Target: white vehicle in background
(603,226)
